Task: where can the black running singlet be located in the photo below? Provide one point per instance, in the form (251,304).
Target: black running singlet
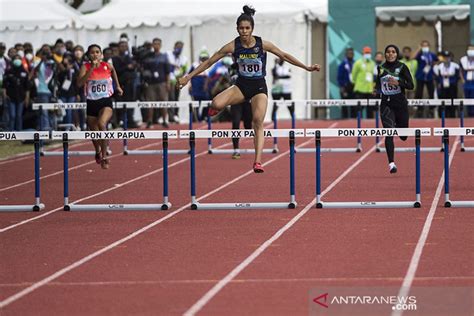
(251,61)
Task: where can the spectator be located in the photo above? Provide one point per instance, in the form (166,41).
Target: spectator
(412,66)
(67,86)
(16,93)
(107,52)
(4,63)
(467,67)
(125,68)
(346,87)
(44,78)
(156,77)
(115,49)
(281,85)
(58,53)
(69,47)
(424,75)
(79,117)
(179,67)
(11,53)
(199,86)
(363,76)
(447,74)
(27,61)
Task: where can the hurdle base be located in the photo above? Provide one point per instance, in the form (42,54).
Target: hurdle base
(459,204)
(329,150)
(117,207)
(243,206)
(71,153)
(467,149)
(22,208)
(156,152)
(371,204)
(413,149)
(242,151)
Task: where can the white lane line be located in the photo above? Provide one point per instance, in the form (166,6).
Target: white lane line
(229,277)
(84,260)
(237,281)
(415,260)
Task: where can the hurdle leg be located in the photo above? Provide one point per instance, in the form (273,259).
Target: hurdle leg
(292,204)
(359,139)
(447,202)
(38,205)
(190,116)
(377,124)
(125,127)
(209,127)
(293,119)
(461,118)
(66,172)
(192,145)
(166,203)
(443,119)
(319,203)
(275,126)
(417,167)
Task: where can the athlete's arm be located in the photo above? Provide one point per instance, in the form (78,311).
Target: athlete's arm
(115,77)
(272,48)
(405,80)
(226,49)
(84,74)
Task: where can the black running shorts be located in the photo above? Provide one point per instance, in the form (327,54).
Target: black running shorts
(251,87)
(94,106)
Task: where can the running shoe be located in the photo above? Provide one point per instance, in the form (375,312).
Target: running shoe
(236,155)
(393,167)
(257,167)
(212,112)
(104,163)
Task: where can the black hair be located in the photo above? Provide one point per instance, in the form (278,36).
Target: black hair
(407,48)
(248,14)
(92,46)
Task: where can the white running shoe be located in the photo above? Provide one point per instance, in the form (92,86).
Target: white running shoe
(392,167)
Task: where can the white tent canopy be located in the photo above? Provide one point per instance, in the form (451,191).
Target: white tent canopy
(418,13)
(37,15)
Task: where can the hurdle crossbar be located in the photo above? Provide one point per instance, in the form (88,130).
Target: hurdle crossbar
(62,106)
(461,103)
(338,102)
(156,105)
(211,150)
(36,137)
(319,133)
(115,135)
(412,102)
(193,134)
(446,132)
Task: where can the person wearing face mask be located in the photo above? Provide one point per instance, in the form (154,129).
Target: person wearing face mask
(412,65)
(393,77)
(79,117)
(27,61)
(16,93)
(363,75)
(199,85)
(179,67)
(67,86)
(467,68)
(447,74)
(58,53)
(281,85)
(424,75)
(346,87)
(3,67)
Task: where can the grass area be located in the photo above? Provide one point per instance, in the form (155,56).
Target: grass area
(10,148)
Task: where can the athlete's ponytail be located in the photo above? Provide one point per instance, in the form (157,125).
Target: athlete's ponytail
(248,14)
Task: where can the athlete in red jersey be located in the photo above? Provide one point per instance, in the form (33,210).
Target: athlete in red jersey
(96,77)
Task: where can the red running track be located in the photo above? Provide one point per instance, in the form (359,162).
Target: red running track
(228,262)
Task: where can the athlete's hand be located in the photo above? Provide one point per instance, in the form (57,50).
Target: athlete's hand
(119,91)
(314,67)
(183,81)
(392,81)
(95,63)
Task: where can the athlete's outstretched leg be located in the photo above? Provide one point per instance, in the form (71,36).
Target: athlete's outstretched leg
(387,117)
(229,96)
(105,115)
(92,123)
(259,108)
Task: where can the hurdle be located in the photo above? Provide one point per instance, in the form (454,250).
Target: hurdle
(156,105)
(412,102)
(338,102)
(62,106)
(36,137)
(193,134)
(371,132)
(211,150)
(115,135)
(461,103)
(445,133)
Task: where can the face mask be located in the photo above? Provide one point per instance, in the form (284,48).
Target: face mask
(470,53)
(124,39)
(29,56)
(78,54)
(367,56)
(21,53)
(62,50)
(177,51)
(425,49)
(17,63)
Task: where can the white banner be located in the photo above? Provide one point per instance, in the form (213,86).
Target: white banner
(456,131)
(367,132)
(240,133)
(23,135)
(114,135)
